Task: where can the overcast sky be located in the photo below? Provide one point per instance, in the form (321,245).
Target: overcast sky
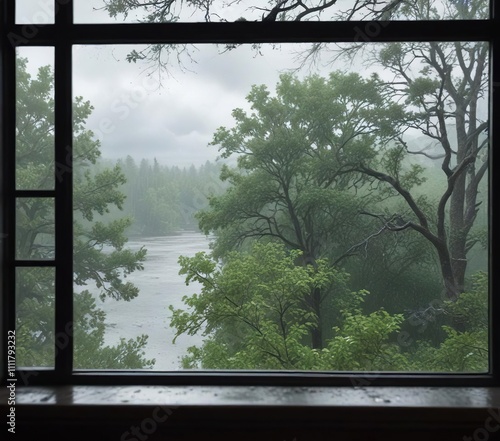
(90,11)
(173,123)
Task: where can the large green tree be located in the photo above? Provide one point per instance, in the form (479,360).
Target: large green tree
(302,180)
(292,184)
(99,257)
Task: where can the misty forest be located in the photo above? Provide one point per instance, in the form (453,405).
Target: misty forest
(347,213)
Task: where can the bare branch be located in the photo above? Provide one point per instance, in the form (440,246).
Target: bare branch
(420,152)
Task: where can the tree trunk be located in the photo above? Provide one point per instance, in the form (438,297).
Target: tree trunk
(450,284)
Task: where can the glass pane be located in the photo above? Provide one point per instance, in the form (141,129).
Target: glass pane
(35,119)
(35,234)
(31,12)
(109,11)
(306,203)
(35,321)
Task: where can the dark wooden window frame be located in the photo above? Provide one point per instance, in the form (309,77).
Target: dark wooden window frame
(62,36)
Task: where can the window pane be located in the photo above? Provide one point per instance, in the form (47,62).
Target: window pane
(35,119)
(35,235)
(116,11)
(310,207)
(31,12)
(35,321)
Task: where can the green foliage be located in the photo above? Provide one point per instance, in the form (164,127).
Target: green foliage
(363,343)
(95,194)
(35,340)
(259,296)
(471,309)
(252,313)
(252,309)
(99,258)
(395,161)
(89,335)
(294,182)
(419,88)
(463,350)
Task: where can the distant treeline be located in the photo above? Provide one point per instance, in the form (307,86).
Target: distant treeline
(162,199)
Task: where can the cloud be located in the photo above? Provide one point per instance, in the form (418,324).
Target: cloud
(173,121)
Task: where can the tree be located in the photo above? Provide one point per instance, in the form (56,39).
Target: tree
(444,86)
(281,191)
(285,10)
(252,309)
(94,194)
(299,156)
(163,11)
(160,57)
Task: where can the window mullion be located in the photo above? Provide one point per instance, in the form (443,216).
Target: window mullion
(64,192)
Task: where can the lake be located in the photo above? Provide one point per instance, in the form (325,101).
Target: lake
(160,285)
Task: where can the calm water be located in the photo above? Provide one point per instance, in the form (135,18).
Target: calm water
(160,286)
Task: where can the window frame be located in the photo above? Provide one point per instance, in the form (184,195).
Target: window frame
(62,35)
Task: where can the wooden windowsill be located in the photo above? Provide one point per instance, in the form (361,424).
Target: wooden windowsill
(232,412)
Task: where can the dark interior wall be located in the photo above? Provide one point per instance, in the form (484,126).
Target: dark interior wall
(277,424)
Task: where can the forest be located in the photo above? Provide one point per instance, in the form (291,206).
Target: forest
(160,199)
(349,217)
(332,248)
